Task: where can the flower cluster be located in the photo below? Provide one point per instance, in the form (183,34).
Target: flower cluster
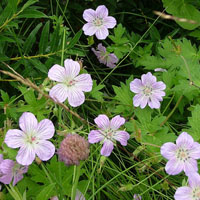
(183,156)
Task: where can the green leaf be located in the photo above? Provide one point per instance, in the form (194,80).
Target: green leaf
(95,93)
(38,65)
(75,39)
(31,39)
(46,192)
(183,9)
(44,38)
(30,13)
(193,121)
(29,3)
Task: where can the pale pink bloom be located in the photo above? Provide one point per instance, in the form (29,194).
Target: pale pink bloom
(70,85)
(148,91)
(32,139)
(108,133)
(10,170)
(98,22)
(192,191)
(108,59)
(137,197)
(182,156)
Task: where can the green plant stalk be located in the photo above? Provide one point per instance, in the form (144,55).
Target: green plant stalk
(77,170)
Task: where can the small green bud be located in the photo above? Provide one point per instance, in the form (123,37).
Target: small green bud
(127,187)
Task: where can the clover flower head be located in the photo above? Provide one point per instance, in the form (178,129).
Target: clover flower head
(192,191)
(182,155)
(108,59)
(70,85)
(32,139)
(148,91)
(137,197)
(108,132)
(98,22)
(10,170)
(73,149)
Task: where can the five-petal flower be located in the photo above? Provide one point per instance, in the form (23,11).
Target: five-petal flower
(98,22)
(70,85)
(108,132)
(32,139)
(182,155)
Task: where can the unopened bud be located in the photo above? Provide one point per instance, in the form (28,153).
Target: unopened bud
(127,187)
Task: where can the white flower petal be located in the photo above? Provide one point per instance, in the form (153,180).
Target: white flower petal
(59,92)
(102,33)
(107,148)
(75,97)
(57,73)
(116,122)
(44,150)
(45,129)
(14,138)
(72,68)
(28,122)
(89,15)
(101,11)
(84,82)
(102,121)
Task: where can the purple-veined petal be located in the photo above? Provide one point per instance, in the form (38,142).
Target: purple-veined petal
(122,137)
(174,167)
(102,33)
(1,158)
(14,138)
(137,99)
(28,122)
(107,148)
(79,195)
(190,166)
(72,68)
(76,97)
(168,150)
(102,121)
(44,150)
(144,101)
(101,11)
(183,193)
(45,129)
(95,136)
(59,92)
(57,73)
(89,15)
(26,155)
(101,48)
(97,53)
(195,151)
(116,122)
(153,103)
(136,86)
(185,139)
(157,94)
(193,179)
(109,22)
(84,82)
(148,79)
(6,168)
(89,29)
(158,86)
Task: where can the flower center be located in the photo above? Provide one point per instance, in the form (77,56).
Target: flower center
(182,154)
(109,134)
(31,139)
(147,91)
(98,21)
(70,83)
(196,193)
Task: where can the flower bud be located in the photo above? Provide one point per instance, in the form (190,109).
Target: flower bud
(73,149)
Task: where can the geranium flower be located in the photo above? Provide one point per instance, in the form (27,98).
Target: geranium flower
(108,59)
(70,86)
(98,22)
(137,197)
(32,139)
(108,132)
(182,155)
(10,170)
(190,192)
(148,91)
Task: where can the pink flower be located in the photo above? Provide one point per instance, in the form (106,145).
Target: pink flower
(182,155)
(108,59)
(137,197)
(108,132)
(148,91)
(98,22)
(190,192)
(10,170)
(32,139)
(70,86)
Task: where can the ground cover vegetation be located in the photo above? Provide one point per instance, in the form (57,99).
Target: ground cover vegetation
(99,99)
